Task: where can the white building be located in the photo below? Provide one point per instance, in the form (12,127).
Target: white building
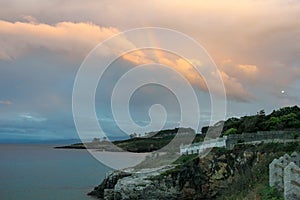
(197,148)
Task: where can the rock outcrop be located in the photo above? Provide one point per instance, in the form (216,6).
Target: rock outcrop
(197,179)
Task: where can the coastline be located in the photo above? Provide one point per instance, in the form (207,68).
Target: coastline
(223,174)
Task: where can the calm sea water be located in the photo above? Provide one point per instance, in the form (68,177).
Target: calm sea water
(41,172)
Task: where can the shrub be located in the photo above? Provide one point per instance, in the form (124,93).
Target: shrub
(231,131)
(240,141)
(270,193)
(295,135)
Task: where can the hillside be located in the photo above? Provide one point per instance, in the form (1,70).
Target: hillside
(152,141)
(240,173)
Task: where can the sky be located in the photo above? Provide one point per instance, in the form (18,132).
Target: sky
(254,44)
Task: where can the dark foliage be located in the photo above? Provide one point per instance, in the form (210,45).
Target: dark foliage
(287,118)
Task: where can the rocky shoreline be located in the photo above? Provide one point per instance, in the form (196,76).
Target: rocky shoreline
(199,178)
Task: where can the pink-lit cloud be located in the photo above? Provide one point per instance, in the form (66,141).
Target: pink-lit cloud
(234,89)
(72,39)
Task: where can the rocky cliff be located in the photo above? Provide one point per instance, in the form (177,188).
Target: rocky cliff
(199,178)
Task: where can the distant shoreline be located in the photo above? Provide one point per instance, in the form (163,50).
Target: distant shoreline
(153,141)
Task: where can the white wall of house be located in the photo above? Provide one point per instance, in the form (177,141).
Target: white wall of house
(199,147)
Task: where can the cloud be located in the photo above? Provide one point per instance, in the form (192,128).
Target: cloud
(71,39)
(29,117)
(5,102)
(259,38)
(30,19)
(4,56)
(245,73)
(248,69)
(234,89)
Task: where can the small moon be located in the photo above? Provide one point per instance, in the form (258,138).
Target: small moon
(282,91)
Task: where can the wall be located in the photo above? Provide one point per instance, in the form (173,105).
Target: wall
(261,136)
(246,138)
(284,174)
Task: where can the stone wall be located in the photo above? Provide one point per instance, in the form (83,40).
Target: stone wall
(292,182)
(284,174)
(261,136)
(276,171)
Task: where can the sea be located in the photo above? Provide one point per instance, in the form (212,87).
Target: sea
(40,172)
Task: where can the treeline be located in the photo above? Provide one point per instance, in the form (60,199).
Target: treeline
(287,118)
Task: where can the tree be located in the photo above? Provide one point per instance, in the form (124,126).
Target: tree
(274,123)
(231,123)
(261,112)
(133,135)
(290,120)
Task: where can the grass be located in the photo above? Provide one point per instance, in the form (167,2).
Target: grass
(144,144)
(269,193)
(185,158)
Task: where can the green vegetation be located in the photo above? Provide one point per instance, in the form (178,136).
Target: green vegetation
(250,182)
(153,140)
(254,181)
(144,144)
(270,193)
(295,135)
(287,118)
(185,158)
(231,131)
(279,148)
